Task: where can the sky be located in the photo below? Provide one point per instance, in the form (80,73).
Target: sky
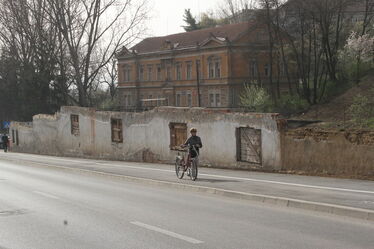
(167,15)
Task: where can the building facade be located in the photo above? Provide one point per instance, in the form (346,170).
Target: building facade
(203,68)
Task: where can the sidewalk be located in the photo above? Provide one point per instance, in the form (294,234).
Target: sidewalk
(330,195)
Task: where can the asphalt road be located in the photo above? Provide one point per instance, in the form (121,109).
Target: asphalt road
(52,208)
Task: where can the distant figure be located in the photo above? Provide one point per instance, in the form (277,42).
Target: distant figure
(5,141)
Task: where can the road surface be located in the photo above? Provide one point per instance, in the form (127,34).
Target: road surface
(53,208)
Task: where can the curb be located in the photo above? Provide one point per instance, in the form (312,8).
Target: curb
(357,213)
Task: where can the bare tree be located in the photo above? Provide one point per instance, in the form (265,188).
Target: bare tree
(94,30)
(109,77)
(30,39)
(232,9)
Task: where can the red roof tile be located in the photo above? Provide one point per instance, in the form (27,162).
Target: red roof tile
(190,39)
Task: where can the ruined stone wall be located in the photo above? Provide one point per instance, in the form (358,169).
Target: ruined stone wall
(336,153)
(146,135)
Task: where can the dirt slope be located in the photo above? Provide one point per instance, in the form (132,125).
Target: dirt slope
(336,111)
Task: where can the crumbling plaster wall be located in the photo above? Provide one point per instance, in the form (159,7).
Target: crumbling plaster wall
(146,136)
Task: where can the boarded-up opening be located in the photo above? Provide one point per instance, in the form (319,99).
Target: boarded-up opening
(74,119)
(117,134)
(249,145)
(178,134)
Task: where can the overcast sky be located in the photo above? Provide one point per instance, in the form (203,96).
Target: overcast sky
(167,15)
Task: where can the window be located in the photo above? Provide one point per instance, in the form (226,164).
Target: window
(178,134)
(217,69)
(189,71)
(127,100)
(267,70)
(116,125)
(141,73)
(198,68)
(214,68)
(211,70)
(253,69)
(168,73)
(158,72)
(218,99)
(13,137)
(178,71)
(127,73)
(74,120)
(215,98)
(211,98)
(189,99)
(178,100)
(149,73)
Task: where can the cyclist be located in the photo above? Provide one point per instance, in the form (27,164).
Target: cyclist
(193,140)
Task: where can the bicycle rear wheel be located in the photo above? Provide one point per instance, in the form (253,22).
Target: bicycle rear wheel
(179,171)
(194,170)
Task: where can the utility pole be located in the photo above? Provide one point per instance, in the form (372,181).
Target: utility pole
(198,82)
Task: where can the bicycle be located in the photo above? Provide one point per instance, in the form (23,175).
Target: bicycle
(190,165)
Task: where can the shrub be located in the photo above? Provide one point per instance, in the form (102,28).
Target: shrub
(362,111)
(289,104)
(255,98)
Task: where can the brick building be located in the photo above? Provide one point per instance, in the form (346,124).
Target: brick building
(214,62)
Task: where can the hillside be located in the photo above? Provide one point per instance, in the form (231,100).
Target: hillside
(335,113)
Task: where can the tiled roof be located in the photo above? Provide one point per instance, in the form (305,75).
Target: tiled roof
(191,39)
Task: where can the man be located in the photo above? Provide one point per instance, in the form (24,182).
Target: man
(5,141)
(193,140)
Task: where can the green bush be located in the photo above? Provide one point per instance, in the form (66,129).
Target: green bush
(255,98)
(289,104)
(362,111)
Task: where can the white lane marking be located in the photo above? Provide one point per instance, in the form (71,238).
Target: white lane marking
(293,184)
(225,177)
(46,195)
(166,232)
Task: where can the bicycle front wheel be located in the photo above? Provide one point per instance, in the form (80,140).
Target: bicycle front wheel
(179,168)
(193,174)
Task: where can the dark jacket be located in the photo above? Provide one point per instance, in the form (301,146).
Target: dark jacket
(194,140)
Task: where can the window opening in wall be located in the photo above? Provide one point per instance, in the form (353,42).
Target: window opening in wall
(215,98)
(74,121)
(218,100)
(178,134)
(141,73)
(214,67)
(249,145)
(211,70)
(253,69)
(149,75)
(168,73)
(13,138)
(178,99)
(179,71)
(189,71)
(127,73)
(217,69)
(267,70)
(189,99)
(158,72)
(117,134)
